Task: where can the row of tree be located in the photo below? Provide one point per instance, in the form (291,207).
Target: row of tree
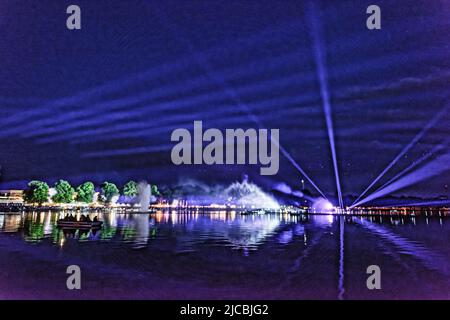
(39,192)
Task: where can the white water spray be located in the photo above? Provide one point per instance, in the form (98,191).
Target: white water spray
(144,193)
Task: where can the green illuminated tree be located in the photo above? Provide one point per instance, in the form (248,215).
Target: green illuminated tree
(64,192)
(109,191)
(130,189)
(85,192)
(155,191)
(37,192)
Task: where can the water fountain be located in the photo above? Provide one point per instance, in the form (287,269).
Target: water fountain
(144,193)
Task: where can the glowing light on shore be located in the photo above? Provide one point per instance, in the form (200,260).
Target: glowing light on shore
(322,205)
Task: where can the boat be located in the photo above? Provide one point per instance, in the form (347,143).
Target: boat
(251,212)
(79,224)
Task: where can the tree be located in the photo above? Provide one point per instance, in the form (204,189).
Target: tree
(64,192)
(155,191)
(130,189)
(109,190)
(85,192)
(37,192)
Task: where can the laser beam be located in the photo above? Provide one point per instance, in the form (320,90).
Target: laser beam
(422,132)
(431,169)
(315,29)
(415,164)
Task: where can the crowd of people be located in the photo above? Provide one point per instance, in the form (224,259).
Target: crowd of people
(83,218)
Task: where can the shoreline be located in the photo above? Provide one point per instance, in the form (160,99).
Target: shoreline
(372,212)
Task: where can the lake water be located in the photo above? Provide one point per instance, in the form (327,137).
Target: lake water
(225,255)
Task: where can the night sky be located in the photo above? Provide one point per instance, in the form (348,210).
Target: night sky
(100,103)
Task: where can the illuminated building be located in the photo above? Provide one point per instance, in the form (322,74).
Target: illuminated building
(11,200)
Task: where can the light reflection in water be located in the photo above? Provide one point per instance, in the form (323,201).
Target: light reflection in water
(224,227)
(142,228)
(196,243)
(432,260)
(11,222)
(190,229)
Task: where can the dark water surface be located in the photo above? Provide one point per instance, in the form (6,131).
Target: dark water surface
(225,255)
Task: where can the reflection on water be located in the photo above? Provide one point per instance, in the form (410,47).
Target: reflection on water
(227,228)
(408,247)
(280,255)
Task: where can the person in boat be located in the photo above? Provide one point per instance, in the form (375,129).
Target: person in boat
(66,217)
(95,219)
(82,218)
(88,219)
(71,218)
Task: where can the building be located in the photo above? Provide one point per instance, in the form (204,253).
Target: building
(11,200)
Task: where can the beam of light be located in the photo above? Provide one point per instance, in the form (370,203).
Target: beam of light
(114,85)
(83,118)
(422,132)
(316,34)
(406,170)
(287,155)
(434,168)
(350,42)
(49,122)
(125,151)
(416,163)
(73,119)
(106,122)
(112,123)
(169,91)
(48,110)
(138,126)
(131,131)
(258,122)
(35,128)
(203,62)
